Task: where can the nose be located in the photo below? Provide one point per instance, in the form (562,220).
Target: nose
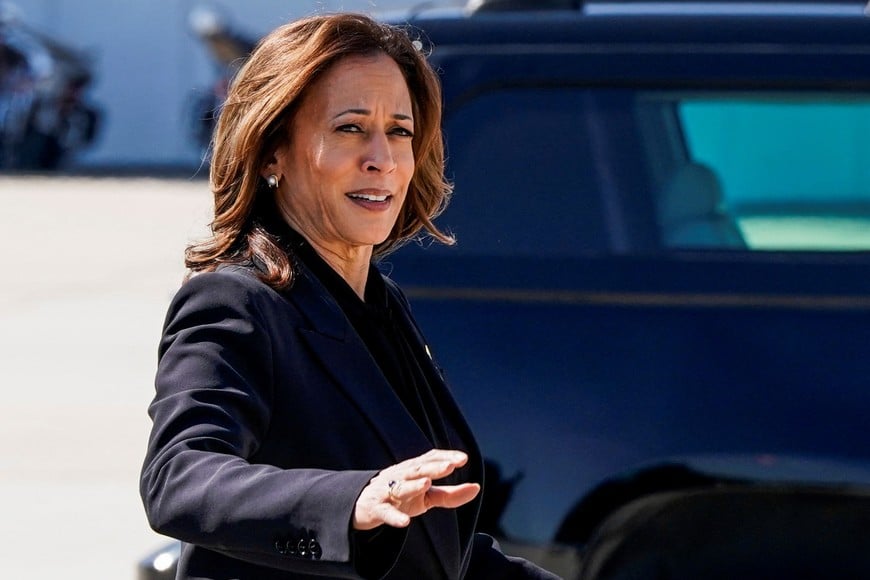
(379,154)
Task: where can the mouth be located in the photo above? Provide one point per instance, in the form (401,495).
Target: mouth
(370,197)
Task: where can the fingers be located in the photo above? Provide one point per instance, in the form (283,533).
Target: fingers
(401,491)
(393,516)
(433,465)
(451,496)
(433,461)
(405,490)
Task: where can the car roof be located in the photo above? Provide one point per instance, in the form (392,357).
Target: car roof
(808,7)
(766,49)
(733,24)
(742,7)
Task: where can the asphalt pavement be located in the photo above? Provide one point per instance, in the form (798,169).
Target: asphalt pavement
(88,268)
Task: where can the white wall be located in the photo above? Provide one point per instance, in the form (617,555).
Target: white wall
(148,64)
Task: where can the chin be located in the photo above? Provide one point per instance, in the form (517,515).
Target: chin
(375,236)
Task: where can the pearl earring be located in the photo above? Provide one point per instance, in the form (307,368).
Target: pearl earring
(272,180)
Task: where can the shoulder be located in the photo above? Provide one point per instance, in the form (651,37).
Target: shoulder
(226,278)
(239,289)
(229,292)
(230,284)
(228,306)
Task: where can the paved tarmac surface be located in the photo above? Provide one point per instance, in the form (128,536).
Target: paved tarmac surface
(89,266)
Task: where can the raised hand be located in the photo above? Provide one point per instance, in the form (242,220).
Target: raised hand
(406,490)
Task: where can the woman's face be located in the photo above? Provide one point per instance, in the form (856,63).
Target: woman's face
(345,171)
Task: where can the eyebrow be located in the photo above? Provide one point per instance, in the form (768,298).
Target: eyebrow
(397,116)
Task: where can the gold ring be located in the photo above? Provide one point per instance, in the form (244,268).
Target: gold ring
(391,485)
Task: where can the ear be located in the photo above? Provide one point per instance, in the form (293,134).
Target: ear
(271,165)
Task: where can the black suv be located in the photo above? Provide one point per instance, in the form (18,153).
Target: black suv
(657,317)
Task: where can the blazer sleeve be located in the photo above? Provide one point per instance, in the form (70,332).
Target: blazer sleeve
(210,412)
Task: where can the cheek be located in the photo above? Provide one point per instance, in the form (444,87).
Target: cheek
(334,163)
(317,153)
(407,163)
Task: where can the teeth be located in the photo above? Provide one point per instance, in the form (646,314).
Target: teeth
(368,197)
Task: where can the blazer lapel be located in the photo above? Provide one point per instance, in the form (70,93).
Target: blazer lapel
(349,362)
(345,357)
(445,399)
(454,415)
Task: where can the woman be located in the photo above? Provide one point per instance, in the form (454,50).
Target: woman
(301,428)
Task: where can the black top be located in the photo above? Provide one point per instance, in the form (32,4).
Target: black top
(384,333)
(381,328)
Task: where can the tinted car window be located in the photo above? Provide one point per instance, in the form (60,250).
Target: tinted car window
(792,167)
(532,165)
(748,172)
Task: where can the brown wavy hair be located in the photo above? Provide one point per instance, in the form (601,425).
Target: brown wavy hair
(262,100)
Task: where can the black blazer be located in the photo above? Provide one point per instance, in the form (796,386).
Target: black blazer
(270,417)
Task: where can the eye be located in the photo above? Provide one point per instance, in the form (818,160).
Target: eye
(349,128)
(402,132)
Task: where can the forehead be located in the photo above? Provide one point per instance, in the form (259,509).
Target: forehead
(360,79)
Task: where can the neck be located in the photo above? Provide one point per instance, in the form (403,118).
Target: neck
(352,264)
(349,261)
